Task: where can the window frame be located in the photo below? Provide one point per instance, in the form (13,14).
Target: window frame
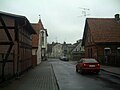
(107,48)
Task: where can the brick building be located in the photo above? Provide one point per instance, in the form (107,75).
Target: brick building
(36,41)
(39,43)
(15,45)
(101,40)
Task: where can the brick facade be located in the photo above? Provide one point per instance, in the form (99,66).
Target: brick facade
(102,36)
(15,45)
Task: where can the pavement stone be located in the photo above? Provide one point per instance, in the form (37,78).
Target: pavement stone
(39,78)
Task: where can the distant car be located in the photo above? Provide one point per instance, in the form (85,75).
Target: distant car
(88,65)
(64,58)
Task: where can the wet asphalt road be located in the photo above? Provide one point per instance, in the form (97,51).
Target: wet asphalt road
(69,79)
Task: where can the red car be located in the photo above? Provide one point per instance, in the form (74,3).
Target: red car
(88,65)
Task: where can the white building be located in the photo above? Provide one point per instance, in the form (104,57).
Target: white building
(39,42)
(78,51)
(43,44)
(57,50)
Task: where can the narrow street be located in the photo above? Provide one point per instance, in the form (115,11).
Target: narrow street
(69,79)
(55,74)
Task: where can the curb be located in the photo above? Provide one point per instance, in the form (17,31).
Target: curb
(113,74)
(55,77)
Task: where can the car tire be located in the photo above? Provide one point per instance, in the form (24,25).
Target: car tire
(76,70)
(81,71)
(97,72)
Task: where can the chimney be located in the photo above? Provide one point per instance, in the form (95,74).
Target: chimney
(117,17)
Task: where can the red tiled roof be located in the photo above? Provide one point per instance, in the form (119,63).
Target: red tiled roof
(37,26)
(21,20)
(35,38)
(104,29)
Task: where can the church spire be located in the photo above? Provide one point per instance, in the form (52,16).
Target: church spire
(39,17)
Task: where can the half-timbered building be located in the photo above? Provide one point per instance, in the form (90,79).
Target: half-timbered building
(15,45)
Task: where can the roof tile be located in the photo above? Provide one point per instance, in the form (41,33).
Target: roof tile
(104,29)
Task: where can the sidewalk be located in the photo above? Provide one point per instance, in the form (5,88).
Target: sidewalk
(114,70)
(39,78)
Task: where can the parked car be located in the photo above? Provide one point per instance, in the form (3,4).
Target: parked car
(88,65)
(64,58)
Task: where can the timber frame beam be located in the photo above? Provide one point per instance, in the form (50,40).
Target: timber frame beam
(10,42)
(5,28)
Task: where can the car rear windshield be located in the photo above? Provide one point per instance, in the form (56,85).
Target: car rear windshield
(89,61)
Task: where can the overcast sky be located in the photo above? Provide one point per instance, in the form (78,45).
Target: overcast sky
(63,19)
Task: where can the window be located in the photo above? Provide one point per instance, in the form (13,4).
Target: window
(80,61)
(42,37)
(90,52)
(107,51)
(80,48)
(35,52)
(76,50)
(118,51)
(42,40)
(89,61)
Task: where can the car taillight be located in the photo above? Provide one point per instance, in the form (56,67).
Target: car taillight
(98,65)
(84,64)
